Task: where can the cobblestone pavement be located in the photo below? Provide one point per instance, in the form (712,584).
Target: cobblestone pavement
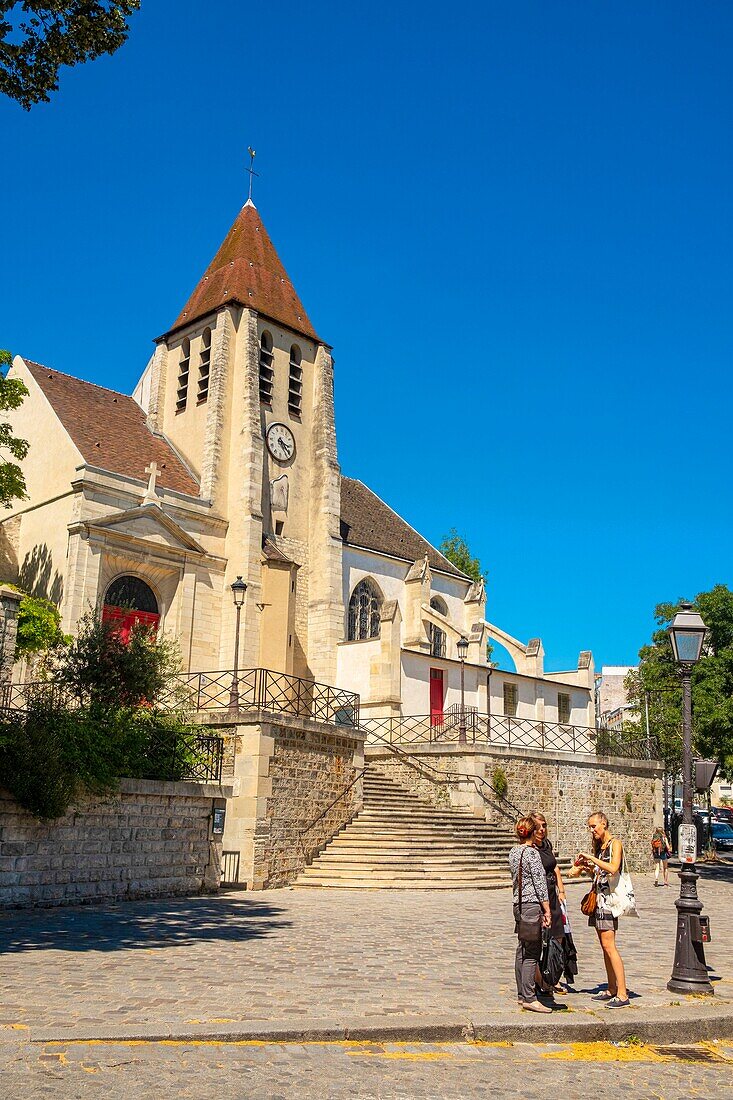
(364,1071)
(285,955)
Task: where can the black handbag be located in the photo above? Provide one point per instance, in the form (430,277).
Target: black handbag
(528,931)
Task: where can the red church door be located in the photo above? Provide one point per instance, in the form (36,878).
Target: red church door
(127,601)
(436,696)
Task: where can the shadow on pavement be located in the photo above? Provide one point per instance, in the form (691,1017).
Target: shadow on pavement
(167,922)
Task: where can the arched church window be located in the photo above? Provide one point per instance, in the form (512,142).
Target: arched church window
(129,601)
(365,608)
(437,636)
(183,367)
(204,366)
(295,381)
(267,374)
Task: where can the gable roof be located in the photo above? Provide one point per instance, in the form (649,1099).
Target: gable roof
(110,431)
(247,270)
(367,521)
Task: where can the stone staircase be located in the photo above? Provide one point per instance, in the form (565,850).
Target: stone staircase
(400,841)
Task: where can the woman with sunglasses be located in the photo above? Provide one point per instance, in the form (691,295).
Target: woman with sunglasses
(602,863)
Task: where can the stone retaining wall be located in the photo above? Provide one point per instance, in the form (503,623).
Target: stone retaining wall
(150,839)
(287,772)
(565,787)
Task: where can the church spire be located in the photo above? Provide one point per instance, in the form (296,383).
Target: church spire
(252,154)
(247,270)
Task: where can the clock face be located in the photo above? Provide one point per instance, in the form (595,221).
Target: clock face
(280,442)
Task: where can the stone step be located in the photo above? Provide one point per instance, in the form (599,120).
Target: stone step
(400,841)
(408,864)
(402,874)
(368,884)
(405,836)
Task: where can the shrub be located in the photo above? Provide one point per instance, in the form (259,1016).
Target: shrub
(101,717)
(499,782)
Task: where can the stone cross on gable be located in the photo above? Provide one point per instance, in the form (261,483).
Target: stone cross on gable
(151,497)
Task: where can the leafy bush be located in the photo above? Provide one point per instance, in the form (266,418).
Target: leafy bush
(500,782)
(112,709)
(39,624)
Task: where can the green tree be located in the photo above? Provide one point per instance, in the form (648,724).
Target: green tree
(39,626)
(456,550)
(12,392)
(36,39)
(657,683)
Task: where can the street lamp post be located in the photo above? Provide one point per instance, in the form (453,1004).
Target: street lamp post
(689,973)
(238,590)
(462,647)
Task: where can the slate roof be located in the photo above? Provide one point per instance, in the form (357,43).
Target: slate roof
(367,521)
(248,270)
(110,430)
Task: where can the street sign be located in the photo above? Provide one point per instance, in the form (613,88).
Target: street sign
(687,843)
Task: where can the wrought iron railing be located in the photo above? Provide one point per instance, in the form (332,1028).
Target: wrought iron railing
(500,730)
(263,689)
(173,754)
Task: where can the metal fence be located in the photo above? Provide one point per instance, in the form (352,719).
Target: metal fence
(262,689)
(508,732)
(174,754)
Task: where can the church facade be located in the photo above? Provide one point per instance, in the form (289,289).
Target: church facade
(223,464)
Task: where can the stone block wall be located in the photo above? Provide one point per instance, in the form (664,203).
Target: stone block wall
(285,772)
(309,769)
(150,839)
(566,788)
(9,604)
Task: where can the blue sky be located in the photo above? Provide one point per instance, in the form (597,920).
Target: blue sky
(512,222)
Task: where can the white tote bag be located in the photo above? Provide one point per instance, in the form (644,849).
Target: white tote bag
(621,901)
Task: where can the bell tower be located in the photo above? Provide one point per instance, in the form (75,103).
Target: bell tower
(242,386)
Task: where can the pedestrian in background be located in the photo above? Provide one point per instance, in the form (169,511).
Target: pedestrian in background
(604,862)
(531,912)
(661,850)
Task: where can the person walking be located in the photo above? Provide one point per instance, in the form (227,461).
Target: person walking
(531,912)
(555,890)
(606,860)
(661,850)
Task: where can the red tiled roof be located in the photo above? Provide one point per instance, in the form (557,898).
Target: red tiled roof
(110,431)
(248,270)
(367,521)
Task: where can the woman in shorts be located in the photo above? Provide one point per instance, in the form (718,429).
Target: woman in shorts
(605,861)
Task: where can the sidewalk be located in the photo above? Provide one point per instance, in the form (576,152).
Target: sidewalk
(292,964)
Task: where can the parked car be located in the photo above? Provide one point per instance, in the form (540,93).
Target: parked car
(723,813)
(722,835)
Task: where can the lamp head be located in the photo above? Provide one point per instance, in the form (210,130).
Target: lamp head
(238,590)
(687,634)
(462,647)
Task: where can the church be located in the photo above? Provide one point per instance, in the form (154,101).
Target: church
(223,463)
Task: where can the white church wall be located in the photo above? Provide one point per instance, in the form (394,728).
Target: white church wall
(531,691)
(416,682)
(386,572)
(453,592)
(353,668)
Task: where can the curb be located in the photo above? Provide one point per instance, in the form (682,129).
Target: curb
(696,1024)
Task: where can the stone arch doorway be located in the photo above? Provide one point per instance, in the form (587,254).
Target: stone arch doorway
(127,601)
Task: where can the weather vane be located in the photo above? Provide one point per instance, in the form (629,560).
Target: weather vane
(251,169)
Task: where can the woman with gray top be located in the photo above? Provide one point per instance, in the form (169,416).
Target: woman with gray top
(531,908)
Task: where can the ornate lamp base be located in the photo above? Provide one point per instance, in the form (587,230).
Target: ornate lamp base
(689,974)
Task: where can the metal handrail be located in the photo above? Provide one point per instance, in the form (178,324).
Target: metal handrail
(314,822)
(457,777)
(507,731)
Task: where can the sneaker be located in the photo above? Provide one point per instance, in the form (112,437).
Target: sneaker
(535,1006)
(616,1003)
(604,996)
